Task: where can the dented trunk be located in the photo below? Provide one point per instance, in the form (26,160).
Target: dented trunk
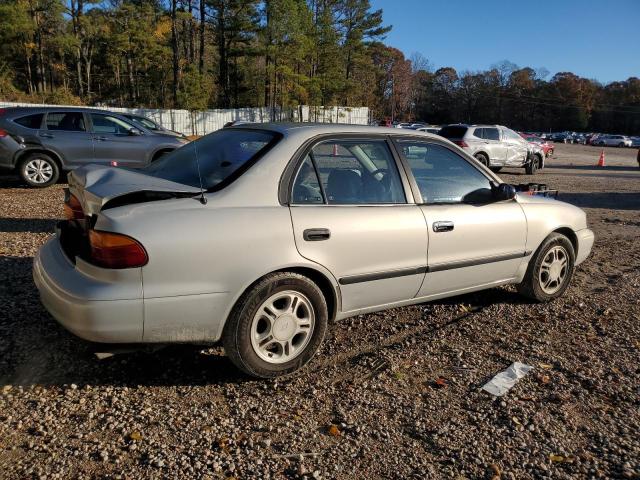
(95,186)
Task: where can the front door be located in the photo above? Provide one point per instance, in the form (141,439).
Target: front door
(517,148)
(351,215)
(114,141)
(473,240)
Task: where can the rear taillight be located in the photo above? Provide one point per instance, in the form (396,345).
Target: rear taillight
(73,208)
(461,143)
(114,250)
(3,133)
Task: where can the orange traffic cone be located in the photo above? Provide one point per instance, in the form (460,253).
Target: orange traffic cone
(335,149)
(601,160)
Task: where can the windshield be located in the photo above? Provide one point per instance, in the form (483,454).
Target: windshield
(146,123)
(222,155)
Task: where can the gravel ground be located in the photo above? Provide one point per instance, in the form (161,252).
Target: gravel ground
(391,395)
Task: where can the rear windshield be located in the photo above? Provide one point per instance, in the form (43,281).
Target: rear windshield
(453,131)
(222,156)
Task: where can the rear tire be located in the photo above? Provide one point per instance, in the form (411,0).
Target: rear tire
(260,338)
(550,270)
(39,170)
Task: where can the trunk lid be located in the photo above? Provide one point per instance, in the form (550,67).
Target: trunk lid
(95,185)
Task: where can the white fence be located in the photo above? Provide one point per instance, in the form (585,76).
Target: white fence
(200,123)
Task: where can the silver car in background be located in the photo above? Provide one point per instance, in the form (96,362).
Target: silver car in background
(39,143)
(261,235)
(496,146)
(613,141)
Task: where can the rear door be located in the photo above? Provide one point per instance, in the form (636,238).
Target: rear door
(474,241)
(66,133)
(352,212)
(115,140)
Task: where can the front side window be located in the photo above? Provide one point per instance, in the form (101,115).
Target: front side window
(222,156)
(145,122)
(443,176)
(109,124)
(491,134)
(66,121)
(511,135)
(30,121)
(351,172)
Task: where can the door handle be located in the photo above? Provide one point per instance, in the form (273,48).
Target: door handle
(102,139)
(316,234)
(46,135)
(443,226)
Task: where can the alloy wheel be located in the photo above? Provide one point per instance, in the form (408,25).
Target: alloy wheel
(282,327)
(553,270)
(38,171)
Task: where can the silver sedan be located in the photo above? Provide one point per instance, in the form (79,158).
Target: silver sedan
(261,235)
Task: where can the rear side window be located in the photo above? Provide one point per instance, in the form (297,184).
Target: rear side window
(478,132)
(30,121)
(453,131)
(352,172)
(66,121)
(306,188)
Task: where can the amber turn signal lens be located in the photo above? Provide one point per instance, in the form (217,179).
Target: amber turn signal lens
(73,209)
(114,250)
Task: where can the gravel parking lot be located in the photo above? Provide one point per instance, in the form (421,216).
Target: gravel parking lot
(394,394)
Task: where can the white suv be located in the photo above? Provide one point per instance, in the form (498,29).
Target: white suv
(613,141)
(495,146)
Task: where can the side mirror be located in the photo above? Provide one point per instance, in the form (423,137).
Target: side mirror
(135,132)
(503,191)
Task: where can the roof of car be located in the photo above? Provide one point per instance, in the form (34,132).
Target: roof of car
(28,110)
(319,128)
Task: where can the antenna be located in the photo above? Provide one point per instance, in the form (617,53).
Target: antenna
(203,199)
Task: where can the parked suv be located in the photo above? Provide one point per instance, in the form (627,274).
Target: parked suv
(613,141)
(39,143)
(496,146)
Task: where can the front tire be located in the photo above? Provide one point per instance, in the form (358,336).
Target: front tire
(550,270)
(39,170)
(533,165)
(277,325)
(482,158)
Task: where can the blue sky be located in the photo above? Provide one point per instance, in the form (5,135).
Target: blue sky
(597,39)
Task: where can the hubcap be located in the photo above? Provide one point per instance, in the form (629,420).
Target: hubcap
(282,327)
(39,171)
(553,270)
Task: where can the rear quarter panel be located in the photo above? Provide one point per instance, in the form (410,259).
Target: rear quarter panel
(201,259)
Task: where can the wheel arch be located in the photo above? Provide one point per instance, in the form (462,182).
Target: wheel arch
(28,151)
(159,152)
(329,288)
(570,234)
